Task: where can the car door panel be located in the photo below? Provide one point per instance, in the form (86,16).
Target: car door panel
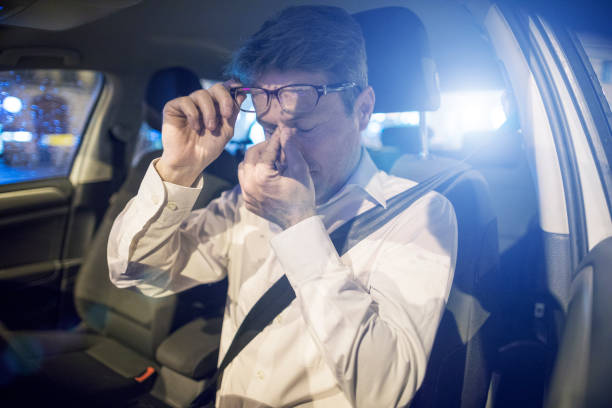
(582,371)
(33,218)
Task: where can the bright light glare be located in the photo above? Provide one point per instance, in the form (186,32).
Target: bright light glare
(396,119)
(378,117)
(12,104)
(465,112)
(374,127)
(20,136)
(472,117)
(498,116)
(410,118)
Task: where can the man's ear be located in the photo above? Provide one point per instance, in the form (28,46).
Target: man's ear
(364,106)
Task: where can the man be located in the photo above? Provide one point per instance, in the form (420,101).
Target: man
(362,325)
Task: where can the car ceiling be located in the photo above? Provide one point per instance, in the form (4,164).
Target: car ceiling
(143,37)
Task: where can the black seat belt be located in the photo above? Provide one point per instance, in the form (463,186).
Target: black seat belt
(281,294)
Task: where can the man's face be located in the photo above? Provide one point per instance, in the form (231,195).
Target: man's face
(328,137)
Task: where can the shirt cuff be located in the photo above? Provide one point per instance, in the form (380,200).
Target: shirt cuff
(305,251)
(174,201)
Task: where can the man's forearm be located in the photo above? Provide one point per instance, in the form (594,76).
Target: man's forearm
(373,331)
(150,248)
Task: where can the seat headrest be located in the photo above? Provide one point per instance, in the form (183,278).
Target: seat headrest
(165,85)
(400,67)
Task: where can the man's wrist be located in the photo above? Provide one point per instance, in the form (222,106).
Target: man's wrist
(304,250)
(183,176)
(295,219)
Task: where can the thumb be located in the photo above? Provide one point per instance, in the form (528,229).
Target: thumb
(270,153)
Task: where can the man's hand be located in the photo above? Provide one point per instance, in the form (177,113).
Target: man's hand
(195,130)
(275,180)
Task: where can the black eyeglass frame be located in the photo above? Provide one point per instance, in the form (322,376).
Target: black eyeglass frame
(321,91)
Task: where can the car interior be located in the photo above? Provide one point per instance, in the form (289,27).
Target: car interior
(82,88)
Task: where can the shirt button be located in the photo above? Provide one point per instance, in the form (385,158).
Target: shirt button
(155,199)
(260,375)
(172,206)
(279,319)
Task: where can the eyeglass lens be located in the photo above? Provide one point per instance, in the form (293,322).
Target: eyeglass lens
(293,99)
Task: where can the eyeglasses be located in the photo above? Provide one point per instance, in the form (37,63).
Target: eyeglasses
(294,98)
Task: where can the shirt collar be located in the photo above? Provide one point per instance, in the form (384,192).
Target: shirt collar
(366,177)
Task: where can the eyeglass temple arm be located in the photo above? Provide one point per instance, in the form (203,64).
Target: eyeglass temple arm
(325,89)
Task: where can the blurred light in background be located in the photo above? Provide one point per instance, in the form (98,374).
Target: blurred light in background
(20,136)
(459,113)
(59,140)
(257,134)
(379,121)
(12,104)
(465,112)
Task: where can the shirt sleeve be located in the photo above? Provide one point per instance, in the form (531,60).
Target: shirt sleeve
(158,245)
(376,339)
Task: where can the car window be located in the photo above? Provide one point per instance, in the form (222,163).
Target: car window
(43,113)
(599,51)
(149,139)
(462,117)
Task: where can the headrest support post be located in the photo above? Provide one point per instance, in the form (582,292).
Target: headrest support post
(424,153)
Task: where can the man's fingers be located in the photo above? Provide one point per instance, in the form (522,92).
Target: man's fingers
(246,184)
(270,153)
(184,108)
(253,154)
(206,105)
(241,175)
(224,100)
(232,83)
(235,103)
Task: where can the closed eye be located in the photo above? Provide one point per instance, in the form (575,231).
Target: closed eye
(305,130)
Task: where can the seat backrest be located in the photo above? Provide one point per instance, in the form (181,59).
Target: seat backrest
(127,316)
(460,364)
(403,76)
(135,320)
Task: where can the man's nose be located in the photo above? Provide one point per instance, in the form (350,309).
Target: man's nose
(277,116)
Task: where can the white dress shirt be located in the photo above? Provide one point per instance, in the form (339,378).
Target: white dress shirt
(362,325)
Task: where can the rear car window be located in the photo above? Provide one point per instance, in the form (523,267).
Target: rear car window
(599,51)
(43,113)
(464,118)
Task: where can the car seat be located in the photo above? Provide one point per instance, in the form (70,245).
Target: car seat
(402,74)
(121,330)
